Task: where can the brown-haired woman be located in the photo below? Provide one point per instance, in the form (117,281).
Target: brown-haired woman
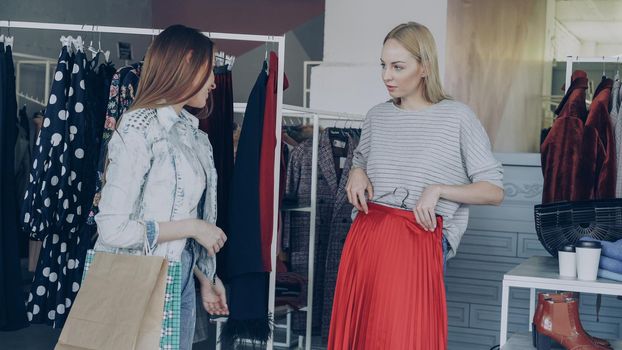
(422,157)
(160,181)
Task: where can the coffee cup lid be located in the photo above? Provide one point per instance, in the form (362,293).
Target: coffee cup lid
(567,248)
(588,244)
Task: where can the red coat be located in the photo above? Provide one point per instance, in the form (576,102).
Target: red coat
(266,164)
(599,120)
(563,160)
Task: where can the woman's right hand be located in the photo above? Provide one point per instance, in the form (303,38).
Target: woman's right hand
(358,183)
(210,236)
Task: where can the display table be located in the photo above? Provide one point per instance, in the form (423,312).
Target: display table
(543,273)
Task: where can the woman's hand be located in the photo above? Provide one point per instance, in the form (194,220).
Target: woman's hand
(214,297)
(210,236)
(424,210)
(358,183)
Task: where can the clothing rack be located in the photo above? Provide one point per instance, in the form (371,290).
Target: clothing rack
(578,59)
(315,116)
(280,40)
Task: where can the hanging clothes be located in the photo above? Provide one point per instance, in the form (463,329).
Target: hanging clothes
(98,80)
(379,300)
(247,280)
(598,119)
(22,155)
(266,166)
(567,168)
(298,190)
(41,199)
(12,310)
(22,170)
(339,226)
(59,270)
(121,95)
(616,123)
(219,128)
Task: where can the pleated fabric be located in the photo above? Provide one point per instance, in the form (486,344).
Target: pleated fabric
(390,292)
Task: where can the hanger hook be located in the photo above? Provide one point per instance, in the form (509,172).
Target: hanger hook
(403,204)
(9,28)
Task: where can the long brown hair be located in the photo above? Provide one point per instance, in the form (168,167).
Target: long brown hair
(177,56)
(418,40)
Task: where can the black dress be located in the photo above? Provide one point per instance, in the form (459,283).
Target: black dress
(12,311)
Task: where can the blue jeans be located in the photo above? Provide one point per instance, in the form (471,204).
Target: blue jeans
(188,300)
(445,250)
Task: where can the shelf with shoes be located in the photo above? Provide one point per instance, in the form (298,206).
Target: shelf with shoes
(541,273)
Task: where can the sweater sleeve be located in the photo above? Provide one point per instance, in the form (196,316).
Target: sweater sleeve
(477,158)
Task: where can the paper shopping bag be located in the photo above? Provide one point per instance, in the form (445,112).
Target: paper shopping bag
(119,306)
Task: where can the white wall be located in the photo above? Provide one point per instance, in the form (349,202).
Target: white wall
(300,45)
(349,79)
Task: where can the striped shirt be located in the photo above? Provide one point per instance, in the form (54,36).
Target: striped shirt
(441,144)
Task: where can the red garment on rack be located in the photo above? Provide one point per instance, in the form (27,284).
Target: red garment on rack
(598,118)
(569,153)
(266,163)
(390,292)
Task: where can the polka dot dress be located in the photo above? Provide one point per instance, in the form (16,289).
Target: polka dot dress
(58,169)
(41,198)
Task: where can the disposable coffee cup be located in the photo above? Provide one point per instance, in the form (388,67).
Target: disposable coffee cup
(588,257)
(567,261)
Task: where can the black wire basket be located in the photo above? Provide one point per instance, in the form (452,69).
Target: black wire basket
(562,223)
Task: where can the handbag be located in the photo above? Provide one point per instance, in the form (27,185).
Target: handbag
(119,306)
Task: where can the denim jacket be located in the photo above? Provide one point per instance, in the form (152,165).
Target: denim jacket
(144,184)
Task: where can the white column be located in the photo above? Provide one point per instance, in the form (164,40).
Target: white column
(349,79)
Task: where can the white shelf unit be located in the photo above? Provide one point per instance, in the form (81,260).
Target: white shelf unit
(539,272)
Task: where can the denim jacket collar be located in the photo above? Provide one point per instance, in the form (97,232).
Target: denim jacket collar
(168,117)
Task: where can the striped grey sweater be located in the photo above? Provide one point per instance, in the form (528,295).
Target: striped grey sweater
(442,144)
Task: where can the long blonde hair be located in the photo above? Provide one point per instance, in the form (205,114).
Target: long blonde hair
(418,40)
(175,58)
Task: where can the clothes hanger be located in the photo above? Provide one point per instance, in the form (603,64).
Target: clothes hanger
(394,192)
(265,59)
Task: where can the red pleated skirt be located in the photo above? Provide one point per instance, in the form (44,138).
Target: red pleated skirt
(390,292)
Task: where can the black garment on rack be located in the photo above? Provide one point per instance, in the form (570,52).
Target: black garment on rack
(59,269)
(12,310)
(248,283)
(219,127)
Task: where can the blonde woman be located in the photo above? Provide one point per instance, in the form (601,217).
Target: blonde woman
(422,158)
(160,181)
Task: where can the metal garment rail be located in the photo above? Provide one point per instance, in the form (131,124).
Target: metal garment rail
(300,112)
(307,115)
(280,40)
(578,59)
